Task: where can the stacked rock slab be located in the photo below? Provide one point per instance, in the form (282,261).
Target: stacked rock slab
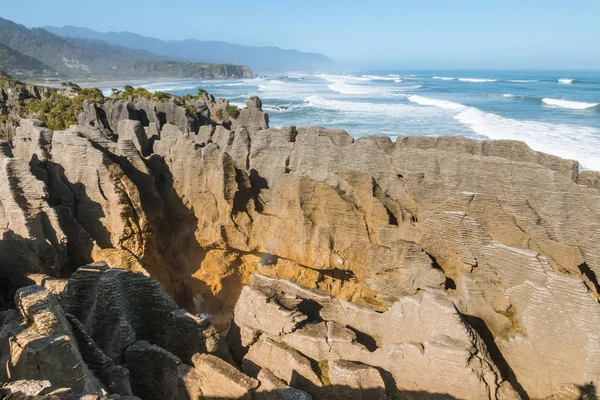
(112,332)
(288,327)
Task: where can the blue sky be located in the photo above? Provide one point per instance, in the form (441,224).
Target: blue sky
(386,34)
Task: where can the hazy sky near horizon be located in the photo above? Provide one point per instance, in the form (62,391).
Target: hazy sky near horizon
(378,34)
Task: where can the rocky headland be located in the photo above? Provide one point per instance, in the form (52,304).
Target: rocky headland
(159,247)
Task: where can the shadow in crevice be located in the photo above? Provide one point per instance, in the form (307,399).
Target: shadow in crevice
(505,370)
(449,283)
(84,210)
(182,224)
(587,392)
(587,272)
(311,309)
(365,339)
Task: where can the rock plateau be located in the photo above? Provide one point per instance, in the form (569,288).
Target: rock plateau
(181,249)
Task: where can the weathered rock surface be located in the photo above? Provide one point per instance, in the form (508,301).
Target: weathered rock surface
(500,242)
(38,344)
(220,380)
(113,331)
(430,354)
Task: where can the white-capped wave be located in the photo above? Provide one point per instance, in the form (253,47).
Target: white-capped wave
(379,78)
(477,80)
(277,109)
(508,95)
(397,80)
(368,108)
(235,84)
(271,85)
(566,81)
(573,105)
(445,104)
(237,104)
(443,78)
(394,75)
(346,88)
(404,89)
(522,80)
(344,78)
(567,141)
(168,86)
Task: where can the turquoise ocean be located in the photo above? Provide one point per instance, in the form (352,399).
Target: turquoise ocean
(557,112)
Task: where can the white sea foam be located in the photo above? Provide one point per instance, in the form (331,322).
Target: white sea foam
(168,86)
(568,141)
(508,95)
(271,85)
(566,81)
(397,80)
(573,105)
(443,78)
(237,104)
(477,80)
(379,78)
(346,88)
(366,108)
(277,109)
(445,104)
(522,80)
(344,78)
(236,84)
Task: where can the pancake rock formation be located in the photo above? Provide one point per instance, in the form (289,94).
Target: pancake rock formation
(334,267)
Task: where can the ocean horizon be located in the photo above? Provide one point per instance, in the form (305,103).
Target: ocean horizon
(556,112)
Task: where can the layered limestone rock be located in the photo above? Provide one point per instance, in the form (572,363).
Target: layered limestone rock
(113,332)
(288,327)
(109,301)
(200,198)
(37,343)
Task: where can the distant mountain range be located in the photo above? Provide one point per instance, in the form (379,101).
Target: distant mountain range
(34,53)
(257,58)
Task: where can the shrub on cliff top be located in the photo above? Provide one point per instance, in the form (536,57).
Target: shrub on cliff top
(232,111)
(143,93)
(58,112)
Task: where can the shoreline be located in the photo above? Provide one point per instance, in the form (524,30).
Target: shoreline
(86,84)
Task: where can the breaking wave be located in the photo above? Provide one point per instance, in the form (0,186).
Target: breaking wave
(445,104)
(477,80)
(573,105)
(401,110)
(566,81)
(567,141)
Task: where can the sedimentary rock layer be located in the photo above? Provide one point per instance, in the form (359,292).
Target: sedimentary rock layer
(487,251)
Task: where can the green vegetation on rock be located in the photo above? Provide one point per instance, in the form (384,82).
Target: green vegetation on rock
(232,111)
(59,111)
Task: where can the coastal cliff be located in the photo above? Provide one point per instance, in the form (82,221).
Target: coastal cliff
(179,248)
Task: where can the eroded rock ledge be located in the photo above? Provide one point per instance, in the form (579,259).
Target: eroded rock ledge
(456,266)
